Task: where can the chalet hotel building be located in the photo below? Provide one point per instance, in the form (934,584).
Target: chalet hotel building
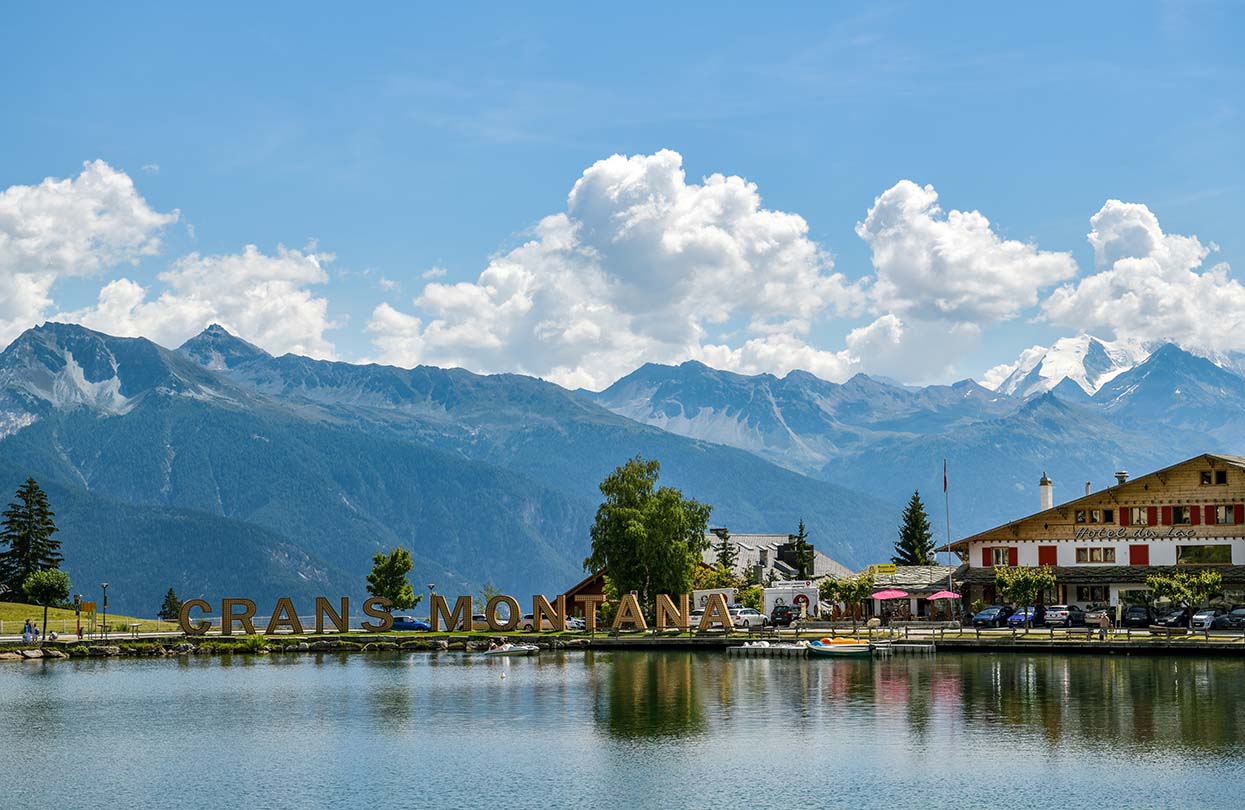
(1190,515)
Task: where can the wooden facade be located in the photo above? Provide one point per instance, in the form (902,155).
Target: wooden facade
(1191,514)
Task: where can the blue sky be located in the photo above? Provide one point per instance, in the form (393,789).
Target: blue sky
(404,140)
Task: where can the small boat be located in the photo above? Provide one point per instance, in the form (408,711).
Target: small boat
(840,647)
(506,650)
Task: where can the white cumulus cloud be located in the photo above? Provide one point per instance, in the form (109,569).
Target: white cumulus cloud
(1151,286)
(641,266)
(951,267)
(261,297)
(68,227)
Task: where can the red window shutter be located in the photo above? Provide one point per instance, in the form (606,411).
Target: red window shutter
(1238,514)
(1124,515)
(1048,555)
(1013,555)
(1152,515)
(1138,555)
(1195,515)
(1210,516)
(1167,516)
(985,557)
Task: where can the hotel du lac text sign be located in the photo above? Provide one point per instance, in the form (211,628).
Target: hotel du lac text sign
(1143,533)
(240,613)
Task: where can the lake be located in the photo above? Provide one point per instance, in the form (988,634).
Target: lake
(606,729)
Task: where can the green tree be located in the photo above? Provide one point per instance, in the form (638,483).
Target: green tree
(916,542)
(27,533)
(388,579)
(1023,585)
(752,596)
(46,588)
(649,538)
(727,552)
(1189,589)
(712,577)
(851,591)
(803,553)
(171,608)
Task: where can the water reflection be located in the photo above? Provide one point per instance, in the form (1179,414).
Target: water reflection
(655,695)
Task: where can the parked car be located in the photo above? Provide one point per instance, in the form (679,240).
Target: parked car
(410,623)
(1137,616)
(575,623)
(1093,615)
(1208,618)
(1064,616)
(527,622)
(993,616)
(747,617)
(1174,618)
(1235,620)
(784,615)
(1031,614)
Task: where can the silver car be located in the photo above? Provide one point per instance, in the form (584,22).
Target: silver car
(1208,618)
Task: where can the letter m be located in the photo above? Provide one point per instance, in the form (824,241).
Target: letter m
(460,618)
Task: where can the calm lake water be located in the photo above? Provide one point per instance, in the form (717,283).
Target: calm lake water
(624,729)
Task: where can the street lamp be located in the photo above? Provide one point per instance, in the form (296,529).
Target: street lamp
(104,585)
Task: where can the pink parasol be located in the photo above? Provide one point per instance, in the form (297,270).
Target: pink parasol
(943,595)
(889,594)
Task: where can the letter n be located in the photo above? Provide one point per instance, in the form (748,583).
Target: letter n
(341,621)
(668,614)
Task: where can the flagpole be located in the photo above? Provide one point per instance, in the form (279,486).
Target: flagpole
(946,500)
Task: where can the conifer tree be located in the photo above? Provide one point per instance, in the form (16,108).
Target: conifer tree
(916,541)
(388,579)
(803,553)
(171,608)
(726,551)
(27,537)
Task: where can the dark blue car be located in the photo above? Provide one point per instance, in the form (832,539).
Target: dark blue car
(1033,614)
(993,616)
(410,623)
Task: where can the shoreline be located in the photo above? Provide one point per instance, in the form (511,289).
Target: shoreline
(174,645)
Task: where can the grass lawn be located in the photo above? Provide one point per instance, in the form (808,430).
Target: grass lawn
(14,614)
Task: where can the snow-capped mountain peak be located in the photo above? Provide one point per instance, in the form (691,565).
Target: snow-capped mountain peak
(1087,361)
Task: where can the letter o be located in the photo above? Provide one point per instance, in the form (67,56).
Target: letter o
(490,614)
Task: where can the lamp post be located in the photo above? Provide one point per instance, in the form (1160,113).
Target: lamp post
(104,585)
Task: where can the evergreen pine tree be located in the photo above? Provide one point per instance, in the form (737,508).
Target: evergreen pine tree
(171,608)
(726,551)
(916,541)
(27,535)
(803,553)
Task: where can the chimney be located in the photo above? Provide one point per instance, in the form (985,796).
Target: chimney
(1047,488)
(1121,477)
(1088,489)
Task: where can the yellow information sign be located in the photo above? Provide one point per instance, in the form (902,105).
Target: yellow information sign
(88,607)
(883,568)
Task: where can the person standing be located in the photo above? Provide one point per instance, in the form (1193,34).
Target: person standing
(1104,624)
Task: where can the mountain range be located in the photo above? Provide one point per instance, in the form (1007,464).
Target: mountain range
(219,469)
(217,460)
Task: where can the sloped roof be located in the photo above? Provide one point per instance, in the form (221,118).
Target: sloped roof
(917,577)
(750,547)
(1234,461)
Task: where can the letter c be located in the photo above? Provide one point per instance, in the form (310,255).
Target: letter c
(183,617)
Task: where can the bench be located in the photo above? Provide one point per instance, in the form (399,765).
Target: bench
(768,632)
(1087,631)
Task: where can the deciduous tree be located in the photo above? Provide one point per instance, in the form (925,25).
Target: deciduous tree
(1023,585)
(46,588)
(649,538)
